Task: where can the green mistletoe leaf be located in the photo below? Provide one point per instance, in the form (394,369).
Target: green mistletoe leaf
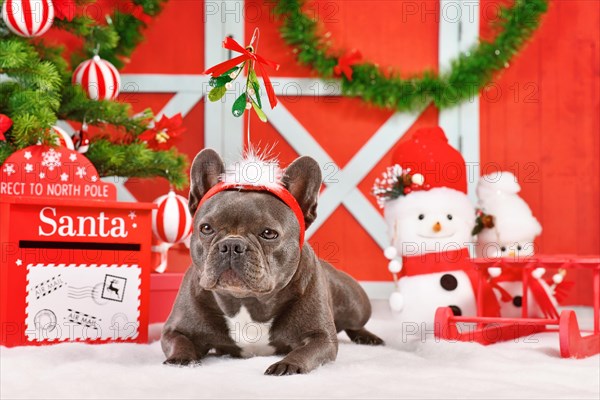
(239,106)
(217,93)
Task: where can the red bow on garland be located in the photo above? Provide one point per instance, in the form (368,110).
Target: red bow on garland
(345,63)
(247,54)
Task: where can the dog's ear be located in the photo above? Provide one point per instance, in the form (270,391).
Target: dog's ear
(302,179)
(204,174)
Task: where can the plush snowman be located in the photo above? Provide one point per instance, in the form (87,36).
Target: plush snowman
(506,227)
(429,219)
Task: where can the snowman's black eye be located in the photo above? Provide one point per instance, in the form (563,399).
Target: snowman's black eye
(449,217)
(503,248)
(421,216)
(519,248)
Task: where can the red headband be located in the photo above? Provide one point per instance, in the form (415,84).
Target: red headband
(282,193)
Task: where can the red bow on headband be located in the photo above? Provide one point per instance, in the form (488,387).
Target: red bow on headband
(247,54)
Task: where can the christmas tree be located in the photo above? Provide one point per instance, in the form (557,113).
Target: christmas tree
(36,88)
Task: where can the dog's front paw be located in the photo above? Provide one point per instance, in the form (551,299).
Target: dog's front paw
(285,368)
(363,336)
(181,362)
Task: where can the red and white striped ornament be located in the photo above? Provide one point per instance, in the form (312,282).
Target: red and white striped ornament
(63,139)
(171,222)
(99,78)
(28,18)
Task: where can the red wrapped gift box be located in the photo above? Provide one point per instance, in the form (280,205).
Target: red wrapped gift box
(75,262)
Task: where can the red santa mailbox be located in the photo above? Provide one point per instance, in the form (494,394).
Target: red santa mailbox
(75,262)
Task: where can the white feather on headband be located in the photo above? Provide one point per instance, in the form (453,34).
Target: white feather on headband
(256,168)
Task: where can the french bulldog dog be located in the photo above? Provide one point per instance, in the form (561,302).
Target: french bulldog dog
(251,289)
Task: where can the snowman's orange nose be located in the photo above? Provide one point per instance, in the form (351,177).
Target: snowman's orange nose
(437,227)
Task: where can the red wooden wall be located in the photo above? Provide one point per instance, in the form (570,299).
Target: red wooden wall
(540,118)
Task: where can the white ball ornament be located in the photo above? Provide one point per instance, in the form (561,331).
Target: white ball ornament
(172,221)
(396,301)
(418,179)
(494,271)
(28,18)
(394,266)
(390,252)
(538,273)
(558,278)
(248,105)
(63,139)
(98,78)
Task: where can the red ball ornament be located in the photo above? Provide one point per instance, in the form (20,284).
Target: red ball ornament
(63,139)
(28,18)
(407,190)
(171,222)
(414,186)
(99,78)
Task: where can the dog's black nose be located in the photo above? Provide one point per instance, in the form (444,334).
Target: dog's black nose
(233,246)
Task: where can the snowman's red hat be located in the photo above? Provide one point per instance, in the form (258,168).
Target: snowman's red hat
(428,153)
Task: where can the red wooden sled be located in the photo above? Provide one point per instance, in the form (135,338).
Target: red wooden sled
(490,330)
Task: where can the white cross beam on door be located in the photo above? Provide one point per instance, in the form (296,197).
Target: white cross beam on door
(457,32)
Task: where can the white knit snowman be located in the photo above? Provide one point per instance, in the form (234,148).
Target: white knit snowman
(514,226)
(506,227)
(429,219)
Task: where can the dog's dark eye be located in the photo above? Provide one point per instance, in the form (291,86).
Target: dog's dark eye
(421,216)
(503,248)
(519,248)
(269,234)
(206,229)
(449,217)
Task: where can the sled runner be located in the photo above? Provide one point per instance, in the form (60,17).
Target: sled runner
(493,329)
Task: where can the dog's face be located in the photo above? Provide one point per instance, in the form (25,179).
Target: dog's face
(246,243)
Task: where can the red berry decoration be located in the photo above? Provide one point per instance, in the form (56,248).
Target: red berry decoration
(407,190)
(426,186)
(414,186)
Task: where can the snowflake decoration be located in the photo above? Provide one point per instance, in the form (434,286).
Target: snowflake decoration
(28,168)
(73,157)
(19,262)
(9,169)
(64,177)
(27,155)
(134,225)
(51,159)
(132,215)
(94,178)
(42,175)
(81,172)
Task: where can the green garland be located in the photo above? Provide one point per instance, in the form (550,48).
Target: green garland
(469,73)
(38,91)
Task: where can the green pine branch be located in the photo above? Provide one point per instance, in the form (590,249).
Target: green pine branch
(469,73)
(37,90)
